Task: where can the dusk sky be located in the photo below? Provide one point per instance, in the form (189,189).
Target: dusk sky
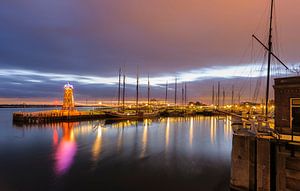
(44,44)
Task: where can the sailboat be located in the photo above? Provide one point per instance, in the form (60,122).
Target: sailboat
(129,114)
(269,49)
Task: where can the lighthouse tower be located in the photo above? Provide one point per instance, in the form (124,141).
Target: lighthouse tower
(68,103)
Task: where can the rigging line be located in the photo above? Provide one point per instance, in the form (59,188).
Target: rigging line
(278,70)
(249,71)
(259,68)
(267,49)
(252,51)
(261,75)
(275,70)
(259,80)
(240,60)
(277,46)
(263,15)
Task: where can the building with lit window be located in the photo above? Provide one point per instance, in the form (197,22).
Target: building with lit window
(287,105)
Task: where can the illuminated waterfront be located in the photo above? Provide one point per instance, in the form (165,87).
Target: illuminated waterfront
(189,153)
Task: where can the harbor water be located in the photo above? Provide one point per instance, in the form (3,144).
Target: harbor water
(185,153)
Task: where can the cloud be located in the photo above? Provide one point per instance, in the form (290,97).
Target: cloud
(46,43)
(185,76)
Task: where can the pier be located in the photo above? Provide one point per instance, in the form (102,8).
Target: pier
(55,116)
(110,114)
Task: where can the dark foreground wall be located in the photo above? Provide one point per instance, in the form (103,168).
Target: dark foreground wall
(264,164)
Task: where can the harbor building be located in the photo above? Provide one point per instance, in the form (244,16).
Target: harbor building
(287,105)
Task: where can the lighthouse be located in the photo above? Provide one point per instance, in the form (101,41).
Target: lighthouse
(68,103)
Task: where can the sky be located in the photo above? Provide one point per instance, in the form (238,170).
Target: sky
(44,44)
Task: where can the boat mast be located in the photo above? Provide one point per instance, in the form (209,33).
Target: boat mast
(223,103)
(232,95)
(123,97)
(137,88)
(213,95)
(148,91)
(182,94)
(119,89)
(218,104)
(175,90)
(269,58)
(166,96)
(185,94)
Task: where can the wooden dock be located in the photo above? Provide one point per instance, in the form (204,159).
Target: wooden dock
(55,116)
(50,116)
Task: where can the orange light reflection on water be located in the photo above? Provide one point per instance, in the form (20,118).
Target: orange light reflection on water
(145,138)
(191,131)
(97,146)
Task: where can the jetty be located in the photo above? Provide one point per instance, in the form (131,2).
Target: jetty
(55,116)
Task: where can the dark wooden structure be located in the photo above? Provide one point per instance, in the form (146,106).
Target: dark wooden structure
(51,116)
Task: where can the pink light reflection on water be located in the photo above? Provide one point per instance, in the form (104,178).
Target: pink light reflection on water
(65,151)
(64,156)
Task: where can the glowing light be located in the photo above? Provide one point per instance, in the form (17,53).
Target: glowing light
(68,86)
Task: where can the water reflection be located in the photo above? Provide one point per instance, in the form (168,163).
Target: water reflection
(177,149)
(55,137)
(191,131)
(120,138)
(212,129)
(145,138)
(66,149)
(96,149)
(167,134)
